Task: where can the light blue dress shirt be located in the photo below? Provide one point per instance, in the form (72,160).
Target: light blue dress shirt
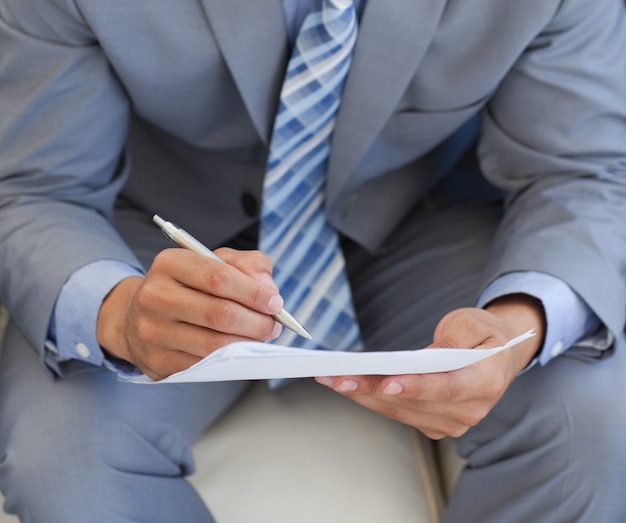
(73,326)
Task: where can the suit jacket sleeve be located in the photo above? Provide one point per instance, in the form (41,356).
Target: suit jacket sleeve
(555,139)
(56,195)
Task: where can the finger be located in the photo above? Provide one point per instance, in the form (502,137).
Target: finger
(434,418)
(167,363)
(451,419)
(433,425)
(468,328)
(436,387)
(484,380)
(166,348)
(255,264)
(219,279)
(221,315)
(351,384)
(194,340)
(438,393)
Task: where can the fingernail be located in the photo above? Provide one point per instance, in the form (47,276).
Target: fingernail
(325,380)
(393,389)
(278,328)
(348,386)
(275,304)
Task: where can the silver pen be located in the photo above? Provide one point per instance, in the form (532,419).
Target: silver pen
(183,239)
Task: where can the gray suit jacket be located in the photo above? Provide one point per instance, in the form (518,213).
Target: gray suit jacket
(172,104)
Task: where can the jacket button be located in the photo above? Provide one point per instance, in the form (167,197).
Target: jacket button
(249,204)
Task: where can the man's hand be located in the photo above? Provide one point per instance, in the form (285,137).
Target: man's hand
(449,403)
(187,306)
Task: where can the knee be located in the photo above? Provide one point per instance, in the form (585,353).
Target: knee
(594,447)
(595,430)
(588,396)
(70,446)
(559,432)
(86,457)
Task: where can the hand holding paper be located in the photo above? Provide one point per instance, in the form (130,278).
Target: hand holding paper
(252,361)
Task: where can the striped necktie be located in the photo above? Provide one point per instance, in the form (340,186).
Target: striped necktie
(309,267)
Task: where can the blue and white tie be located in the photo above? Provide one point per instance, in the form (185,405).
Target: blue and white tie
(309,267)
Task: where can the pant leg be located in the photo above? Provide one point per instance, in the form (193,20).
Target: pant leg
(92,449)
(551,450)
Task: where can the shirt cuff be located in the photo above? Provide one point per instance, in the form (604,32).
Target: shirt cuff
(72,334)
(568,317)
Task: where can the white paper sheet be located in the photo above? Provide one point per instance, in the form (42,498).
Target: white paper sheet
(254,361)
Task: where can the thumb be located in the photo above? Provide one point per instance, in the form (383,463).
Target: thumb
(465,328)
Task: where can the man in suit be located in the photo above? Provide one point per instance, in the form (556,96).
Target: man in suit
(477,178)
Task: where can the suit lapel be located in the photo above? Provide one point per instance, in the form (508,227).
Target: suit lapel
(251,35)
(393,37)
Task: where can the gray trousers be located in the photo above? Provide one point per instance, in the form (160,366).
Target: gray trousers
(89,448)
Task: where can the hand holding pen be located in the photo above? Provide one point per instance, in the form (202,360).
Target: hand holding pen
(183,239)
(188,305)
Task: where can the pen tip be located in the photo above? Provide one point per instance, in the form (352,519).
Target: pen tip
(300,330)
(158,220)
(291,323)
(297,327)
